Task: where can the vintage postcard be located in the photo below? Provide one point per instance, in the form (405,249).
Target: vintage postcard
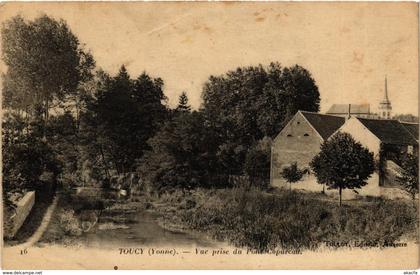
(210,135)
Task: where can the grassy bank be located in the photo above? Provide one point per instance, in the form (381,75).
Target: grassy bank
(284,219)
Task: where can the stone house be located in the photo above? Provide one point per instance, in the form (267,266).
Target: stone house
(300,140)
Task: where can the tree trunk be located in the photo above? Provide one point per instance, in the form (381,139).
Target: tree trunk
(340,195)
(46,115)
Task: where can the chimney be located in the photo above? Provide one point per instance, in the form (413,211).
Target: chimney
(349,112)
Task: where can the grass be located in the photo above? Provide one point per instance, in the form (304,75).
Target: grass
(289,220)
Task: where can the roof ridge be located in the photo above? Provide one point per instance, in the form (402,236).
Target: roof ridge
(408,122)
(377,119)
(315,113)
(353,104)
(383,136)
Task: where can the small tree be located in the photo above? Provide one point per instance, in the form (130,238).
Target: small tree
(183,105)
(343,163)
(409,175)
(292,174)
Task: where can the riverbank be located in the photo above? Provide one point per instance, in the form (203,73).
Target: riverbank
(287,220)
(120,222)
(239,217)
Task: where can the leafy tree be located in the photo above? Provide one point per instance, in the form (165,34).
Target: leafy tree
(180,154)
(406,118)
(119,119)
(183,105)
(257,162)
(25,156)
(249,103)
(292,174)
(409,175)
(46,69)
(63,138)
(343,163)
(45,64)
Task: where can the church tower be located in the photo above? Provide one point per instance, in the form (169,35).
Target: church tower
(385,105)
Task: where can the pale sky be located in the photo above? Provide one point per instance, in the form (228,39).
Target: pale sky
(348,47)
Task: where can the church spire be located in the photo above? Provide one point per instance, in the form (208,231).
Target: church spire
(385,105)
(386,90)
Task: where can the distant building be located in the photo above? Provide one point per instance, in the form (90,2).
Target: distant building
(363,110)
(385,107)
(346,110)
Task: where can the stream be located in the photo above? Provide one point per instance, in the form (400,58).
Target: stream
(118,228)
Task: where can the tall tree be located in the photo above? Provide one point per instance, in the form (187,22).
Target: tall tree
(247,104)
(181,154)
(343,163)
(45,64)
(121,117)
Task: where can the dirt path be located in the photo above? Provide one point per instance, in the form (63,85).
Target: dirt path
(41,229)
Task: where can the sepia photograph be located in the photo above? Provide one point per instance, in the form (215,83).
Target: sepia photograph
(209,135)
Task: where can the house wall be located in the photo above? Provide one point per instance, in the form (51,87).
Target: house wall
(297,147)
(310,184)
(362,135)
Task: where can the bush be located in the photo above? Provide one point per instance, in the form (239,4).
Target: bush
(69,223)
(257,163)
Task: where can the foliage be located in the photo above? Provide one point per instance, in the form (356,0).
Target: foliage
(45,64)
(46,70)
(183,105)
(25,155)
(409,174)
(120,118)
(292,173)
(232,105)
(180,155)
(343,163)
(406,118)
(257,161)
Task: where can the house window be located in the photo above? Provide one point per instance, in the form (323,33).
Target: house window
(298,122)
(306,135)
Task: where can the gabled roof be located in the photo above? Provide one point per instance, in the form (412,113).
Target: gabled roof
(325,125)
(354,109)
(389,131)
(413,128)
